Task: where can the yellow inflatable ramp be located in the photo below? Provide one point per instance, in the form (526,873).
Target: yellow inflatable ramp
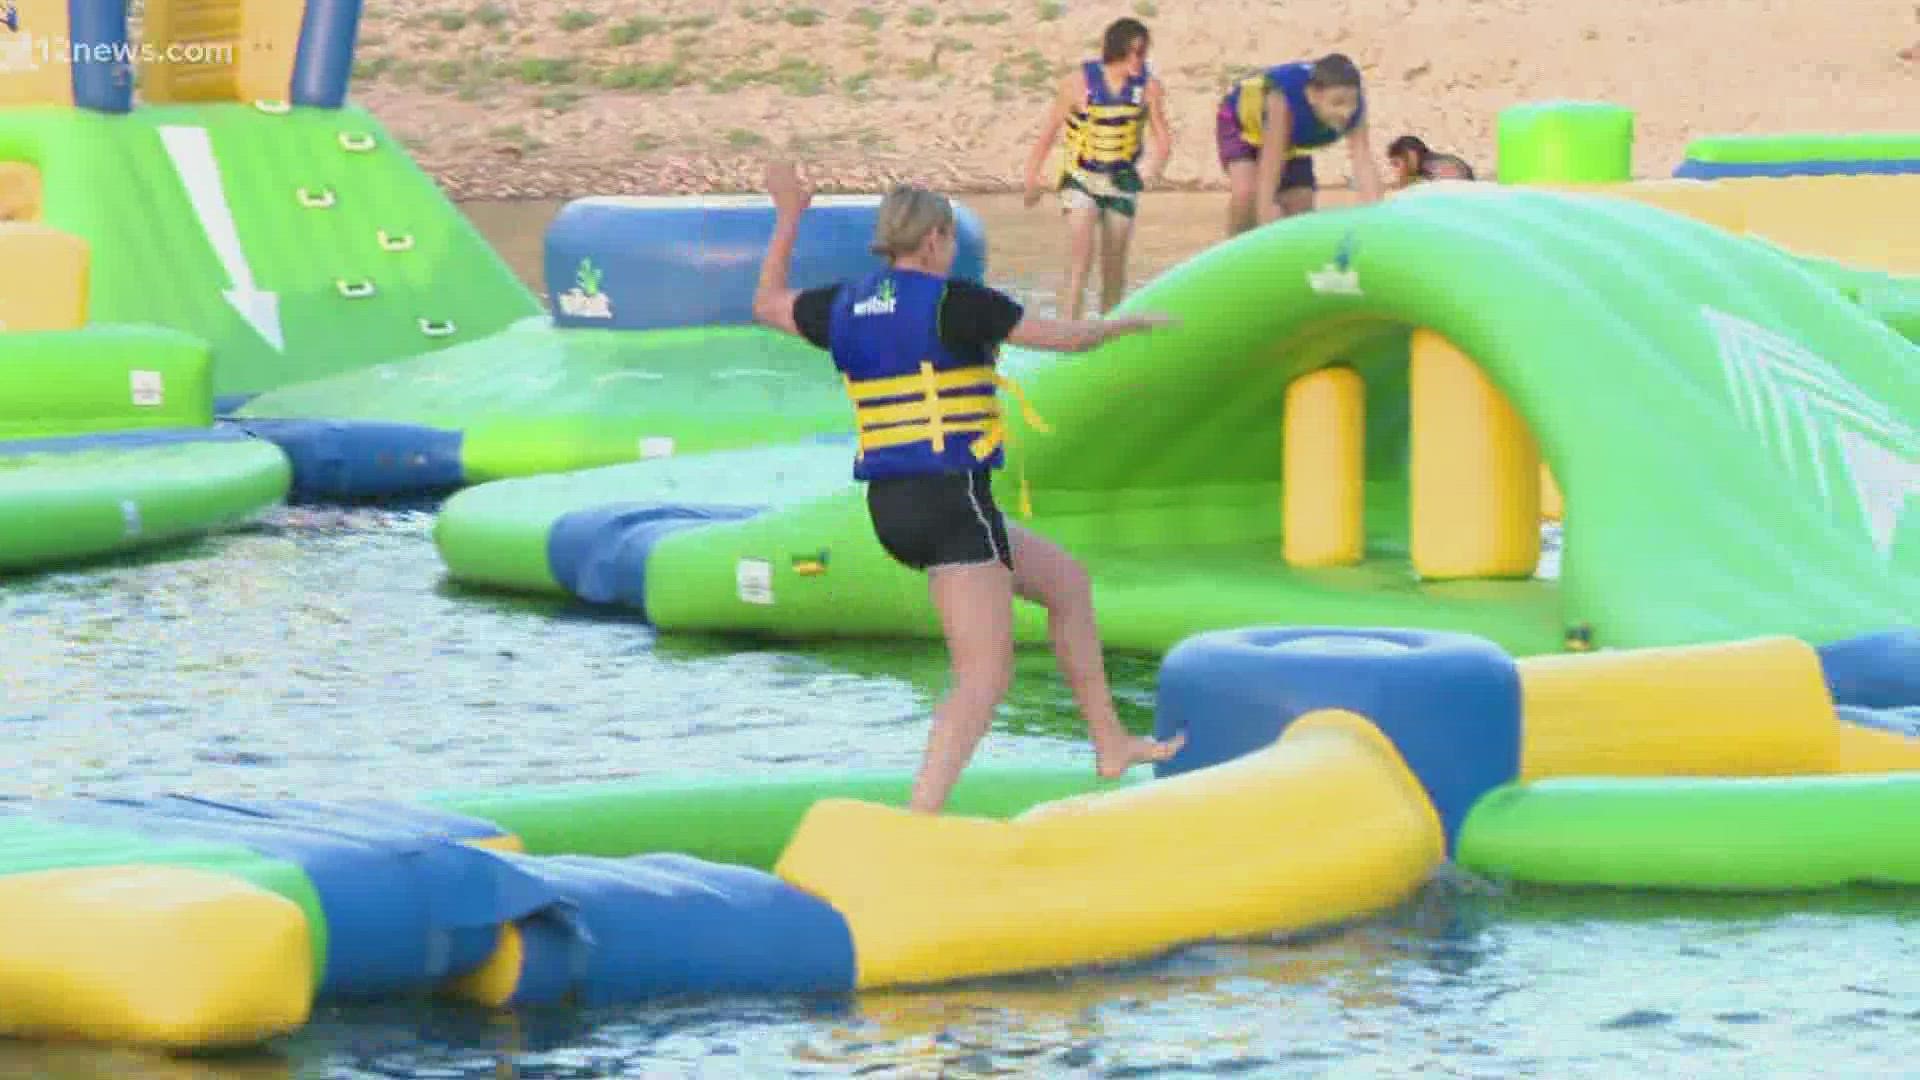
(1325,825)
(152,955)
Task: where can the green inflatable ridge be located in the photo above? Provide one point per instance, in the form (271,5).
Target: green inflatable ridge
(497,534)
(1747,834)
(102,378)
(734,820)
(344,245)
(62,507)
(539,399)
(1805,146)
(1735,439)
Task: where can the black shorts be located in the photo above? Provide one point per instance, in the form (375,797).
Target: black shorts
(1297,173)
(939,519)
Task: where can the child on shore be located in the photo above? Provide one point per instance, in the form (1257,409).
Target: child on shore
(1112,108)
(1270,124)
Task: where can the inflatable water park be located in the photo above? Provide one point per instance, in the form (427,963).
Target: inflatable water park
(1319,502)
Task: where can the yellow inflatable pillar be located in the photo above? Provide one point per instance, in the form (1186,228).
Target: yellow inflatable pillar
(1552,506)
(43,278)
(35,67)
(1323,462)
(269,44)
(1475,471)
(1324,825)
(220,50)
(155,955)
(1744,708)
(19,191)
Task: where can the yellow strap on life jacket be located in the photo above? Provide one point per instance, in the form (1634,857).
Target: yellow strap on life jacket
(929,417)
(1252,110)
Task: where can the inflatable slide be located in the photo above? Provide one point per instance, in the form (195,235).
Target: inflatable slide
(1367,758)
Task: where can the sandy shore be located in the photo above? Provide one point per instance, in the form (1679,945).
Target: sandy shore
(559,98)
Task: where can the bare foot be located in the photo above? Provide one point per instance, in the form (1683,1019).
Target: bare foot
(1113,760)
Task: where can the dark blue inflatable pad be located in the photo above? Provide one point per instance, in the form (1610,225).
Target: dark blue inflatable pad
(660,925)
(363,459)
(647,263)
(600,555)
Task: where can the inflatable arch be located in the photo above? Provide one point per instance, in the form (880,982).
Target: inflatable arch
(1735,439)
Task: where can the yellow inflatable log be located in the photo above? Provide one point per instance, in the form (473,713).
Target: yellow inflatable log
(1869,750)
(43,278)
(155,955)
(1744,708)
(1325,825)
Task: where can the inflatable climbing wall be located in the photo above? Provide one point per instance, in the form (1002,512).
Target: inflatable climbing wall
(237,197)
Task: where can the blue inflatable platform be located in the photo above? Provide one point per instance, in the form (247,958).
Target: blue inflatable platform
(654,262)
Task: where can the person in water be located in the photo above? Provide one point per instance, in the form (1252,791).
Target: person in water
(917,351)
(1446,167)
(1106,106)
(1406,156)
(1412,161)
(1270,124)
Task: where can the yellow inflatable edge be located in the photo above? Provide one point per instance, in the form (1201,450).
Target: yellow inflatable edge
(161,956)
(1324,826)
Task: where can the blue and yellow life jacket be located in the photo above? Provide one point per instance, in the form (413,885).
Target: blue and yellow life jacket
(918,407)
(1248,102)
(1103,135)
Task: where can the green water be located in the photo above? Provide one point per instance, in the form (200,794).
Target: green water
(319,654)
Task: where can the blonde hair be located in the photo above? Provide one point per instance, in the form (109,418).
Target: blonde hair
(906,216)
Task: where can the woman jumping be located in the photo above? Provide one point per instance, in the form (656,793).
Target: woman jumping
(927,460)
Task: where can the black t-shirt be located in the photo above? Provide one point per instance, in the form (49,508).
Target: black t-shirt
(974,319)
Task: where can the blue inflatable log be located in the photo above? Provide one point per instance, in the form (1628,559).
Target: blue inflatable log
(323,61)
(1874,671)
(600,555)
(626,930)
(649,263)
(363,459)
(1450,703)
(406,900)
(101,61)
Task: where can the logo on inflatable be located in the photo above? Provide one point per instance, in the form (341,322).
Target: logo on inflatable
(9,16)
(880,303)
(585,300)
(1337,278)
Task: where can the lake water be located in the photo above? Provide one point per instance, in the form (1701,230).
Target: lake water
(320,653)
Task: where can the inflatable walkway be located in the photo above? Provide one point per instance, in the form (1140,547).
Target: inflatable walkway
(1367,758)
(1351,426)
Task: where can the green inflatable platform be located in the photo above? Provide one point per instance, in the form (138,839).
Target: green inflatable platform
(1782,833)
(103,378)
(536,399)
(1736,439)
(63,501)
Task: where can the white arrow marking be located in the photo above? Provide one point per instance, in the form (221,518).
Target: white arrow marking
(192,154)
(1776,381)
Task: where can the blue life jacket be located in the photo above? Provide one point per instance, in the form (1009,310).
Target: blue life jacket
(918,408)
(1248,99)
(1104,135)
